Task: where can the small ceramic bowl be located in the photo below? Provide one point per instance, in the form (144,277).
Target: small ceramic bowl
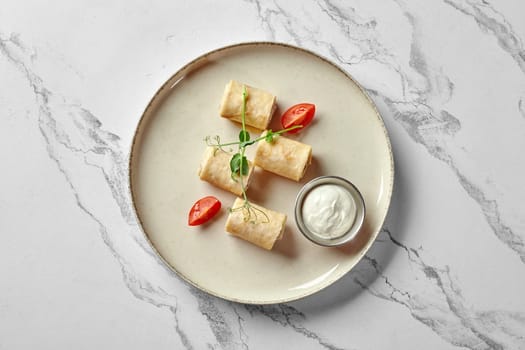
(326,226)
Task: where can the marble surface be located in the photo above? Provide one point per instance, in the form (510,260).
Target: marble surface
(447,269)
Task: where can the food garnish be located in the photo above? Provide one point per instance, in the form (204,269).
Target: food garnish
(203,210)
(299,114)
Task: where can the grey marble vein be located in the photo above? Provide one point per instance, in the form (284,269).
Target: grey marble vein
(431,133)
(521,107)
(220,325)
(431,126)
(439,303)
(265,17)
(356,29)
(492,214)
(490,20)
(289,316)
(186,343)
(243,336)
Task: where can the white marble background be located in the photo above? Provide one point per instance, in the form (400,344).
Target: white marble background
(448,270)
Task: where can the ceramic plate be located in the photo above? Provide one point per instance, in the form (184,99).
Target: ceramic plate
(348,138)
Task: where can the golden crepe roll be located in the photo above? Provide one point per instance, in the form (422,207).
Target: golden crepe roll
(215,169)
(262,234)
(283,156)
(260,105)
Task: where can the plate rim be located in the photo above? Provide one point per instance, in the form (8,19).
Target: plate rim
(156,95)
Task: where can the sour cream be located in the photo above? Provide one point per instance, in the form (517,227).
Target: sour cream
(329,211)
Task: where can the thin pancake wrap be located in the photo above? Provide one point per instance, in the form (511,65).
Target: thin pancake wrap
(260,105)
(215,169)
(263,234)
(283,156)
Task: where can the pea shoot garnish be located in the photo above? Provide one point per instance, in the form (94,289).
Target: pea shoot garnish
(239,165)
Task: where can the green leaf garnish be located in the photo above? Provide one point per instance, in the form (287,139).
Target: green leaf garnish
(239,165)
(244,136)
(269,136)
(244,166)
(235,163)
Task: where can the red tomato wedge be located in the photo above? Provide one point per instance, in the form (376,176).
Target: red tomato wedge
(299,114)
(203,210)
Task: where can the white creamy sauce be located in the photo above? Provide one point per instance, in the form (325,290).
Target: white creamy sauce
(329,211)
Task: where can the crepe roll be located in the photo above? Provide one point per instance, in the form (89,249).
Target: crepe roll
(260,105)
(283,156)
(263,232)
(215,169)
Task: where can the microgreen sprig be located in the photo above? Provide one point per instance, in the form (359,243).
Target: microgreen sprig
(239,163)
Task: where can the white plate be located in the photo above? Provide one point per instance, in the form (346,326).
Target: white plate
(348,138)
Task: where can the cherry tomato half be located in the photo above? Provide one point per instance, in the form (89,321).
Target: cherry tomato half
(203,210)
(299,114)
